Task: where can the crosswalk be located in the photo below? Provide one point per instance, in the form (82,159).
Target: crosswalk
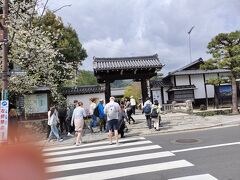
(97,161)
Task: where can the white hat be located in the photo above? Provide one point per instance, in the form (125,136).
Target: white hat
(131,96)
(100,99)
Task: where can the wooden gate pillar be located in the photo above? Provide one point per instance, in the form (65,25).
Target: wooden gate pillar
(107,91)
(144,90)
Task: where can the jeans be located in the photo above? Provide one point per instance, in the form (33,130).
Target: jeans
(93,122)
(63,124)
(54,131)
(149,121)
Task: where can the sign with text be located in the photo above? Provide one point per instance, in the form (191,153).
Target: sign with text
(4,120)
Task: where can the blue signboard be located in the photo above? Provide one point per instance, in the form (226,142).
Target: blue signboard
(225,90)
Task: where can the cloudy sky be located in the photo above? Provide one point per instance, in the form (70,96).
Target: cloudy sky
(116,28)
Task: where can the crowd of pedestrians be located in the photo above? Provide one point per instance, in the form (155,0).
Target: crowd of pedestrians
(109,118)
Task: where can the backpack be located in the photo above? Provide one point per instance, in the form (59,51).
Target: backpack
(96,111)
(147,109)
(154,113)
(112,112)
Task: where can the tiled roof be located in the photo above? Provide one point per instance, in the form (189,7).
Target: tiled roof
(160,83)
(198,61)
(83,90)
(140,62)
(199,71)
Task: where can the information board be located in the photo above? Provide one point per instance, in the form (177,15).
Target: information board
(4,120)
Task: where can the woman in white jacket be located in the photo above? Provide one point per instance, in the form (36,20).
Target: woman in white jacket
(78,120)
(52,122)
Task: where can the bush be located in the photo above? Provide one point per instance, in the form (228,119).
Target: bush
(203,107)
(206,113)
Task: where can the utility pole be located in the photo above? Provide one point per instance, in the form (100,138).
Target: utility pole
(4,41)
(189,41)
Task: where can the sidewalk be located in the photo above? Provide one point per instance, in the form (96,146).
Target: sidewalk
(171,122)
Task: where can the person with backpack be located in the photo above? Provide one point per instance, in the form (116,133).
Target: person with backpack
(52,122)
(111,110)
(155,115)
(147,107)
(101,115)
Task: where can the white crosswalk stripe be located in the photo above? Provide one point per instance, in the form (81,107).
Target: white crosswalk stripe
(100,160)
(95,148)
(129,171)
(91,144)
(110,161)
(197,177)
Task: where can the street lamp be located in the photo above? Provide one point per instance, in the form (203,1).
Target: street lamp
(189,40)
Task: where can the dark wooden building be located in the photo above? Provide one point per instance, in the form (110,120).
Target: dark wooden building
(140,68)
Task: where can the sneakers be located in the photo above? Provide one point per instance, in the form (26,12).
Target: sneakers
(117,143)
(77,144)
(60,140)
(69,134)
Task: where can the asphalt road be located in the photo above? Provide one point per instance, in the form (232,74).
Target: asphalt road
(222,162)
(214,154)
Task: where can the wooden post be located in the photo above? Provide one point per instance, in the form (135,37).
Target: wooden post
(144,90)
(205,87)
(5,52)
(107,91)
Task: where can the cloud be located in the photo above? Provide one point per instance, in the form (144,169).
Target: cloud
(145,27)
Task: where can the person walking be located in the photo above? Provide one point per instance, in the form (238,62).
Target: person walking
(133,104)
(129,112)
(121,122)
(62,114)
(102,118)
(92,107)
(111,110)
(155,115)
(147,107)
(52,122)
(78,120)
(13,131)
(70,110)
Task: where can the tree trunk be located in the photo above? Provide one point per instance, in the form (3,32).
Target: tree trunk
(234,96)
(216,96)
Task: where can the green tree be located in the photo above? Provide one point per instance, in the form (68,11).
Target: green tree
(225,51)
(133,90)
(47,52)
(84,78)
(67,43)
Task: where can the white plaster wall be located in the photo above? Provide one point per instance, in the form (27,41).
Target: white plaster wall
(182,80)
(198,81)
(210,91)
(84,98)
(157,96)
(165,94)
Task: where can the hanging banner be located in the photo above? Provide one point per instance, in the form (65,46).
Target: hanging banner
(4,120)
